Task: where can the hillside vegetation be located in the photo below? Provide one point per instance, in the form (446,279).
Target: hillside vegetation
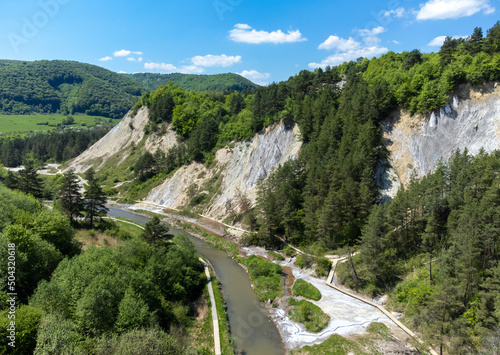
(327,197)
(68,87)
(132,298)
(201,82)
(65,87)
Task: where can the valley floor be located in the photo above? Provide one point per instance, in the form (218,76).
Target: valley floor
(349,317)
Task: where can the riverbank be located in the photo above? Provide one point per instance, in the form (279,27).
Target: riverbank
(349,317)
(250,324)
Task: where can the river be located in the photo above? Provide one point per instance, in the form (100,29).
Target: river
(251,328)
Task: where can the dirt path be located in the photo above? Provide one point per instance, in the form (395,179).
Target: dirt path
(215,319)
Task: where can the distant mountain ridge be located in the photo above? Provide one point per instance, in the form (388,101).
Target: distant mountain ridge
(196,82)
(69,87)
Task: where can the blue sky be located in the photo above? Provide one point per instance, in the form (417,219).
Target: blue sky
(264,41)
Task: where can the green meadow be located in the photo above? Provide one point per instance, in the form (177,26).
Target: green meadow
(25,124)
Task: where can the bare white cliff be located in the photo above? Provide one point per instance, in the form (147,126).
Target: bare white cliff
(471,120)
(235,170)
(119,141)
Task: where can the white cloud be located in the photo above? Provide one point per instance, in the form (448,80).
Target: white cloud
(215,60)
(340,58)
(437,42)
(373,32)
(255,76)
(350,49)
(395,42)
(191,69)
(452,9)
(335,42)
(133,59)
(125,53)
(397,13)
(160,66)
(243,33)
(105,59)
(122,72)
(242,26)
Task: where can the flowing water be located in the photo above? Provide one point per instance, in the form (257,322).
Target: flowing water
(251,328)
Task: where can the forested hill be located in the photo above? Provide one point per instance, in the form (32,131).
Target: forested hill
(69,87)
(66,87)
(217,82)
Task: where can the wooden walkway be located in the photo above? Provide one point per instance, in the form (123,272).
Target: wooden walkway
(329,282)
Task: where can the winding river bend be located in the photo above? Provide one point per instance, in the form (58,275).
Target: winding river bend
(251,328)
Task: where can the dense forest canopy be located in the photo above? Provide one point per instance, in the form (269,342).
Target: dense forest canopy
(196,82)
(64,87)
(69,87)
(441,235)
(103,300)
(326,194)
(52,146)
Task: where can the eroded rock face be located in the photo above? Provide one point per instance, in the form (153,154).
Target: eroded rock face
(235,169)
(471,120)
(116,142)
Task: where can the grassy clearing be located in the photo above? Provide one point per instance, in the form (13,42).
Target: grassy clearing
(226,341)
(305,289)
(25,124)
(379,329)
(334,345)
(266,277)
(87,238)
(308,314)
(275,255)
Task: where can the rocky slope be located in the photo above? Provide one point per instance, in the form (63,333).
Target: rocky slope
(235,171)
(471,120)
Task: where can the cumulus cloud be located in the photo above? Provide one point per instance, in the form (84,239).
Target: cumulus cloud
(160,66)
(125,53)
(335,42)
(244,33)
(255,76)
(373,32)
(340,58)
(170,68)
(438,41)
(350,49)
(215,60)
(105,59)
(452,9)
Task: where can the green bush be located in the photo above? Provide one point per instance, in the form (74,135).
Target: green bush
(305,289)
(310,315)
(266,277)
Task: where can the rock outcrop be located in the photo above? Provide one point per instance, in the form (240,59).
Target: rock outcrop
(235,170)
(471,120)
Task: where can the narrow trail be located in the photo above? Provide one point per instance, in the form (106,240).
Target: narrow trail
(215,319)
(329,281)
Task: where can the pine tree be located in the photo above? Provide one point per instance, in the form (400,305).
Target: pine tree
(11,181)
(70,198)
(156,232)
(29,181)
(95,198)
